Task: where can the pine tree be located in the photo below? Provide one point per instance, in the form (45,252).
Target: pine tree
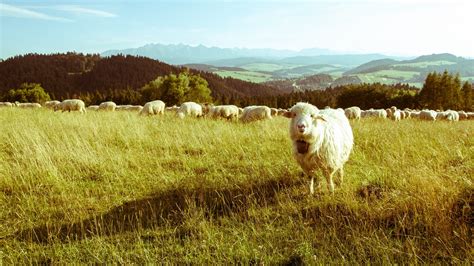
(466,95)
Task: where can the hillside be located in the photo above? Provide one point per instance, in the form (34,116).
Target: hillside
(69,75)
(386,71)
(413,71)
(256,65)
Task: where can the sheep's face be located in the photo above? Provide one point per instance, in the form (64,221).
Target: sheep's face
(303,119)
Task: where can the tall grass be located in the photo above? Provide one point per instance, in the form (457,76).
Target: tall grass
(119,188)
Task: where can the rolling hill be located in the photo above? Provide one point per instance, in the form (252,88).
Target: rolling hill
(70,75)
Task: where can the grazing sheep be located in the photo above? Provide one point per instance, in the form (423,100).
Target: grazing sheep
(6,104)
(93,107)
(173,108)
(428,115)
(273,111)
(134,108)
(29,105)
(379,113)
(254,113)
(122,107)
(322,140)
(353,112)
(470,115)
(156,107)
(462,115)
(107,106)
(51,104)
(189,109)
(71,105)
(206,108)
(448,115)
(224,111)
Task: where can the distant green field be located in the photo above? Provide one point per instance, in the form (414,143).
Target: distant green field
(387,76)
(266,67)
(251,76)
(425,64)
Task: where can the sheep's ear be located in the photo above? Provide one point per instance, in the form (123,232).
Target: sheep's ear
(320,117)
(289,114)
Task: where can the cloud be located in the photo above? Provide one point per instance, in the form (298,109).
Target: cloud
(18,12)
(82,10)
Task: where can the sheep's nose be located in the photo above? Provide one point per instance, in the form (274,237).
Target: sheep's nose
(301,127)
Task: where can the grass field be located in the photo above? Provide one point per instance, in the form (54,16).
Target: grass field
(118,188)
(427,64)
(251,76)
(387,76)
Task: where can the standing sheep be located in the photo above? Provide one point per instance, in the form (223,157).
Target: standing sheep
(253,113)
(93,107)
(156,107)
(224,111)
(107,106)
(71,105)
(51,104)
(428,115)
(6,104)
(189,109)
(28,105)
(322,140)
(353,112)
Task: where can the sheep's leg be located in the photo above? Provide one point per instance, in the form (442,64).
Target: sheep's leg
(329,180)
(311,183)
(339,180)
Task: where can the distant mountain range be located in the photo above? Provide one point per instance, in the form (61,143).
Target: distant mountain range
(264,65)
(178,54)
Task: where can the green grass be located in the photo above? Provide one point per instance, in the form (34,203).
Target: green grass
(251,76)
(427,64)
(118,188)
(387,76)
(266,67)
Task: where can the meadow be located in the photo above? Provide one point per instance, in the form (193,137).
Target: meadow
(119,188)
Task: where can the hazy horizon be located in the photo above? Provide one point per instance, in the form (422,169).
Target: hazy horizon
(392,27)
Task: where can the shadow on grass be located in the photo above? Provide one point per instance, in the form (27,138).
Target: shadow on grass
(166,208)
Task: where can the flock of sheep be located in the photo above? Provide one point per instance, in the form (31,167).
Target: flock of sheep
(232,112)
(322,139)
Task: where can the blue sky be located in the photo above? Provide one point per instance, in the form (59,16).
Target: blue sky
(394,27)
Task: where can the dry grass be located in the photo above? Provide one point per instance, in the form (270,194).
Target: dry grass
(118,188)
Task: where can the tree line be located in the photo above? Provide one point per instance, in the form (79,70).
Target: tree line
(441,91)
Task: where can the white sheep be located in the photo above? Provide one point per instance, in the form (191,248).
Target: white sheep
(93,107)
(28,105)
(51,104)
(173,108)
(462,115)
(156,107)
(6,104)
(448,115)
(71,105)
(379,113)
(428,115)
(274,111)
(134,108)
(322,140)
(107,106)
(254,113)
(189,109)
(353,112)
(224,111)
